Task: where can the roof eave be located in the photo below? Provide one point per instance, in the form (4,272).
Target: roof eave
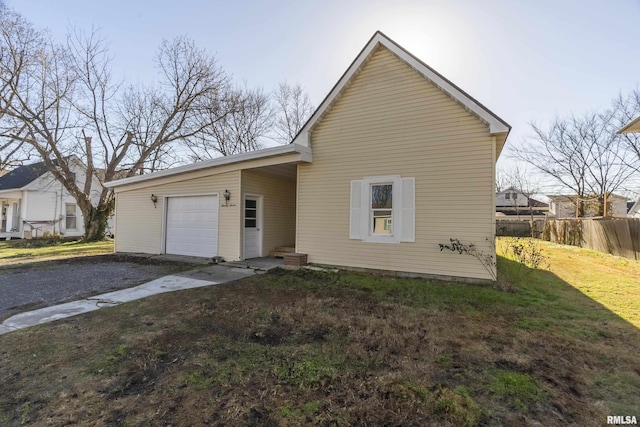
(631,127)
(497,126)
(305,156)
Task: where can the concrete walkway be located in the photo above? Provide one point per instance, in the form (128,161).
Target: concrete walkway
(206,276)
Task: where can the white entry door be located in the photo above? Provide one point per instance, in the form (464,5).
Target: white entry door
(252,227)
(192,226)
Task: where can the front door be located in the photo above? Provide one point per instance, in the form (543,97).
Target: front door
(252,227)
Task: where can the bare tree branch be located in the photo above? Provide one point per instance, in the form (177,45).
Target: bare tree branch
(61,100)
(582,154)
(293,109)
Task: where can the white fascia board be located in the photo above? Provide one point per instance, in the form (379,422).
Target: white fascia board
(304,134)
(11,193)
(496,125)
(305,156)
(633,126)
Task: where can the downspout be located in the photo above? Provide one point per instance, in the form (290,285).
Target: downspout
(55,211)
(60,214)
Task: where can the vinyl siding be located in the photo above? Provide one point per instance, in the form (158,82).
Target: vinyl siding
(139,224)
(392,121)
(279,207)
(47,205)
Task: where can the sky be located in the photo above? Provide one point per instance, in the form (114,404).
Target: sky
(525,60)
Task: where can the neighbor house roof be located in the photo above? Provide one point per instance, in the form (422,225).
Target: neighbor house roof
(633,126)
(21,176)
(497,126)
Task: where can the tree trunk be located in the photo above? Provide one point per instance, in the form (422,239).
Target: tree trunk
(95,222)
(579,208)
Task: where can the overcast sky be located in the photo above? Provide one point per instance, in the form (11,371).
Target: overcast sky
(524,60)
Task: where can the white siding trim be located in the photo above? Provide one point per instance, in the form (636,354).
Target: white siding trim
(355,218)
(408,232)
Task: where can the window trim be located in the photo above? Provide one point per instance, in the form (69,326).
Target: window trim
(368,234)
(67,216)
(405,208)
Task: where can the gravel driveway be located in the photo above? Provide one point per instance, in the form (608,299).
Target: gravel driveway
(34,285)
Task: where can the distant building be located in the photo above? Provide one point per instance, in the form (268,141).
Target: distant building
(33,202)
(513,204)
(564,206)
(634,209)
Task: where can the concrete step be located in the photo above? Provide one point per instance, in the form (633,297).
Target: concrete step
(281,251)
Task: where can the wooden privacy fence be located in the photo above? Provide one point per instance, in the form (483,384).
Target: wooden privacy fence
(520,227)
(617,236)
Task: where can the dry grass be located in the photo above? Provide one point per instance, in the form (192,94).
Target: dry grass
(318,348)
(19,251)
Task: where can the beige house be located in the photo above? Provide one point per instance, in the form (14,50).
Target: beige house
(382,173)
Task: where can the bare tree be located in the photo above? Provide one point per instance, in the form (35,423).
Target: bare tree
(502,181)
(12,152)
(581,154)
(293,109)
(62,100)
(236,125)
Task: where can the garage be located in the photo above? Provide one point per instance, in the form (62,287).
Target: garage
(192,226)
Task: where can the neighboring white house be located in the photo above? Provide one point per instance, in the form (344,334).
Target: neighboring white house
(564,206)
(634,210)
(33,202)
(513,204)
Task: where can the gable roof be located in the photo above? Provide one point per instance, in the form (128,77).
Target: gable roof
(21,176)
(497,126)
(633,126)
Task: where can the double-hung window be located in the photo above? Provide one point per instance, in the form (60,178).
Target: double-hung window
(70,217)
(382,209)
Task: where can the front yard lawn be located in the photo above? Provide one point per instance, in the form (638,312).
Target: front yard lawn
(17,251)
(337,349)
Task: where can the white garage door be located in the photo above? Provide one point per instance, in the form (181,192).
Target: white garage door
(192,226)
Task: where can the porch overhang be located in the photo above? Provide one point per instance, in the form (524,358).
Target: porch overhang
(10,194)
(281,155)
